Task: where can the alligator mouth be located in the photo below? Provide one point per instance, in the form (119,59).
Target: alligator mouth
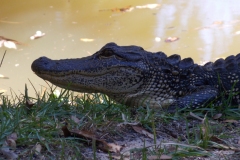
(91,84)
(87,78)
(45,67)
(83,73)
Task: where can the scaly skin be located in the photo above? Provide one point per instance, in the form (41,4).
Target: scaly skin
(135,77)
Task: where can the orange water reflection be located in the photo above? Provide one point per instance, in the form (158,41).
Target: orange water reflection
(206,30)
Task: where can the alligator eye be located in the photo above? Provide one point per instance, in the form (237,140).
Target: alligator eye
(106,53)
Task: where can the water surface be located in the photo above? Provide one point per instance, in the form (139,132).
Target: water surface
(206,30)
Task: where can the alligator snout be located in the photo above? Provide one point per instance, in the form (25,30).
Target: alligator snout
(41,64)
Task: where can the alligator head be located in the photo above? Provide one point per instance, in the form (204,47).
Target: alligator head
(121,72)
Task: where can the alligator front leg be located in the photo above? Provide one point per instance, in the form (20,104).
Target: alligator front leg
(200,97)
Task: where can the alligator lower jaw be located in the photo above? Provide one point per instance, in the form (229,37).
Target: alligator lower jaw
(107,84)
(66,83)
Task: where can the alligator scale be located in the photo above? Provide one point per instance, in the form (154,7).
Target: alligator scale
(135,77)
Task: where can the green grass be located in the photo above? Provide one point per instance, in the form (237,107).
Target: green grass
(41,123)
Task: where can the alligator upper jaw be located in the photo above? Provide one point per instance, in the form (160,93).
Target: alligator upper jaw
(41,64)
(92,76)
(86,66)
(46,68)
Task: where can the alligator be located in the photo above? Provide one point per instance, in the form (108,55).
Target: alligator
(135,77)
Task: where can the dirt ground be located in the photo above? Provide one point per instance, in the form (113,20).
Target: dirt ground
(174,132)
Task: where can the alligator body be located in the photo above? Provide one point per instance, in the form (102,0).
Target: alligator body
(135,77)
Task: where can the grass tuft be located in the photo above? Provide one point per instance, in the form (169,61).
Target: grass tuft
(38,122)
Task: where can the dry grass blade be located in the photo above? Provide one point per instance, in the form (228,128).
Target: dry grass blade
(199,118)
(3,58)
(155,157)
(143,131)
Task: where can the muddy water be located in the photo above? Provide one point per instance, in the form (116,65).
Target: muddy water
(206,30)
